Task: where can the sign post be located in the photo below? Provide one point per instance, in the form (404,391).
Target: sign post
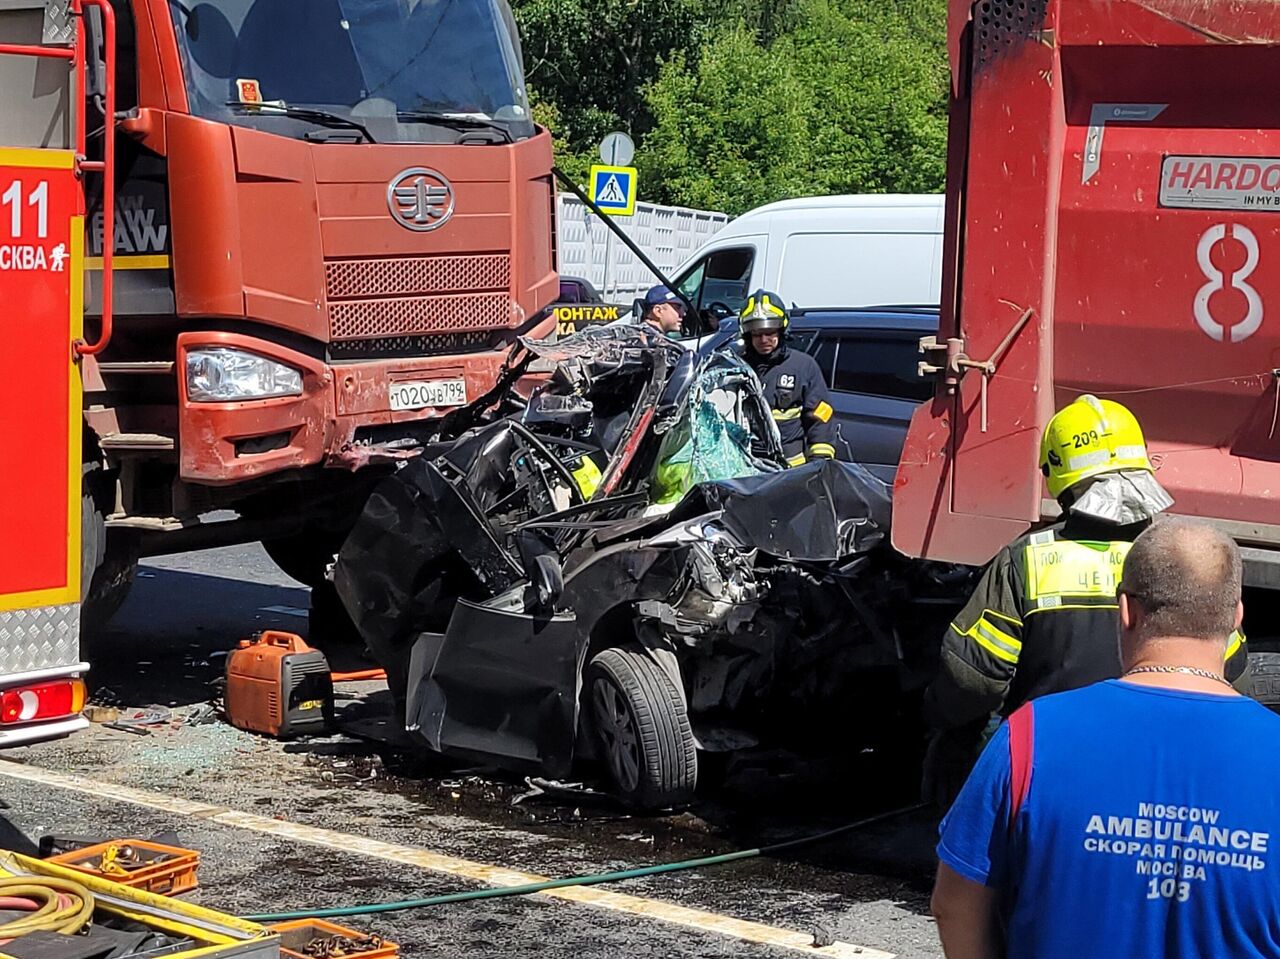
(613,188)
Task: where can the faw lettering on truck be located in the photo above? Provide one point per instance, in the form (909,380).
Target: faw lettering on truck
(1220,183)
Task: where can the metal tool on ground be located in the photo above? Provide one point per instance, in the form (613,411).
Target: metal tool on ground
(141,721)
(279,686)
(156,867)
(502,892)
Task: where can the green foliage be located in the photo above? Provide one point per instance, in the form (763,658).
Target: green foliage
(731,132)
(735,103)
(593,58)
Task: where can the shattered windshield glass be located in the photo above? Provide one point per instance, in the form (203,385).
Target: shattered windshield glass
(722,421)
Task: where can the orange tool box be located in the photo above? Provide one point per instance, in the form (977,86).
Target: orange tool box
(303,938)
(278,685)
(150,866)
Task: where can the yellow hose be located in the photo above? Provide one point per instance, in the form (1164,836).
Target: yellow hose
(51,916)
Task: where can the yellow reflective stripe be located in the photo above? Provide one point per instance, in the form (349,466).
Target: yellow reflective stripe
(785,416)
(997,635)
(1070,568)
(823,411)
(797,460)
(1234,642)
(993,639)
(37,158)
(823,449)
(994,648)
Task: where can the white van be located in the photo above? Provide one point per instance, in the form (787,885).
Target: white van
(824,251)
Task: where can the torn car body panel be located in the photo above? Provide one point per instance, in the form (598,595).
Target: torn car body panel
(502,683)
(638,500)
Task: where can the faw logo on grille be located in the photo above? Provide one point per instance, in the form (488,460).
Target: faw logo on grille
(420,199)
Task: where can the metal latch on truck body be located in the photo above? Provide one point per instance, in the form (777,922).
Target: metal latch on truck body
(949,360)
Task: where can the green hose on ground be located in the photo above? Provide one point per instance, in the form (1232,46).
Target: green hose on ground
(501,892)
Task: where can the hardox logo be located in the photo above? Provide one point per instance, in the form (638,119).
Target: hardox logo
(420,199)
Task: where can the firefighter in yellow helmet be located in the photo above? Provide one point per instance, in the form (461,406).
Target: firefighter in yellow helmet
(1044,616)
(792,380)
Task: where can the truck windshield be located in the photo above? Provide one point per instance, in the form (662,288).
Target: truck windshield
(406,70)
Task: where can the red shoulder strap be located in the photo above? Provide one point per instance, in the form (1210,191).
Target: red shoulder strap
(1022,737)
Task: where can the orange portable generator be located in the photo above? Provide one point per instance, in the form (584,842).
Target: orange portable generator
(278,685)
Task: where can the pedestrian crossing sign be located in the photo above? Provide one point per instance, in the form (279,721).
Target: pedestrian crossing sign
(613,188)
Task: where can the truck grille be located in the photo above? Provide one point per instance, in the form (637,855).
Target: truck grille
(416,296)
(395,347)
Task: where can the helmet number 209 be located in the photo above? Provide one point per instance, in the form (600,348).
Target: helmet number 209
(1087,438)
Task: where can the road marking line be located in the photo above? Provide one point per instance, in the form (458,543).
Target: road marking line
(745,930)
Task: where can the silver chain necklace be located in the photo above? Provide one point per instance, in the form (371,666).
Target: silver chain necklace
(1189,670)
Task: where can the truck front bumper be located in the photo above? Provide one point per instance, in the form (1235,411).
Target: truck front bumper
(343,407)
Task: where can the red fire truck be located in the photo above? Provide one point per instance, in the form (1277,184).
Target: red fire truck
(1113,204)
(42,231)
(330,219)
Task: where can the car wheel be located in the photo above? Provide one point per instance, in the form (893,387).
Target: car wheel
(643,728)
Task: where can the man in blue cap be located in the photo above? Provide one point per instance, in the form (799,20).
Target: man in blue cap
(663,310)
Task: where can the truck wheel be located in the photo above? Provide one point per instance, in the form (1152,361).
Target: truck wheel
(304,556)
(108,558)
(645,737)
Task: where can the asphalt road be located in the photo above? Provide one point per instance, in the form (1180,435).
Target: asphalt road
(339,821)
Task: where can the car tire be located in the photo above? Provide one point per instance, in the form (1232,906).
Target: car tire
(642,726)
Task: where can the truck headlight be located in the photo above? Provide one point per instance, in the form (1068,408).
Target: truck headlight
(220,374)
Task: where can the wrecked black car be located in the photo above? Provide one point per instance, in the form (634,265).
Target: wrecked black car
(621,569)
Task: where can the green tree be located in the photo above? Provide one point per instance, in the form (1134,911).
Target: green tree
(730,131)
(593,58)
(877,86)
(851,100)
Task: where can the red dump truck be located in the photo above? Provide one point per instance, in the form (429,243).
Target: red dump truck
(330,220)
(1113,227)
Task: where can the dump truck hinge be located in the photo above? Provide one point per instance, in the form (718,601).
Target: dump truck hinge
(949,360)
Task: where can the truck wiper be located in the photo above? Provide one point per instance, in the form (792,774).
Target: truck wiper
(454,121)
(307,114)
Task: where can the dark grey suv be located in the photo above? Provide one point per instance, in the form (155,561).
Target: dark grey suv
(869,358)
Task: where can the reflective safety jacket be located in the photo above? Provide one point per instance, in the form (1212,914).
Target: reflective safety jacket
(1043,619)
(797,395)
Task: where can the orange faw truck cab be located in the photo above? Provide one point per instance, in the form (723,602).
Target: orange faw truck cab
(330,219)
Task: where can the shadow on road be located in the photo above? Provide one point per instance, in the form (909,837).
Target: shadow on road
(166,644)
